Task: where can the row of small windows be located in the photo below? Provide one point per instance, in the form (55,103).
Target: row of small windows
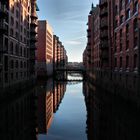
(17,64)
(135,61)
(16,76)
(22,39)
(15,49)
(18,51)
(124,3)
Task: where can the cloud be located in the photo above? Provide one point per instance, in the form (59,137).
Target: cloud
(73,42)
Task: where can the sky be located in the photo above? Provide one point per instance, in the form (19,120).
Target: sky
(68,19)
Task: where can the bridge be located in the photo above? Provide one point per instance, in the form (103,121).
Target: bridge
(71,69)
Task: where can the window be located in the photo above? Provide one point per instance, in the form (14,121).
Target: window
(121,39)
(135,42)
(16,24)
(21,64)
(116,23)
(17,14)
(11,47)
(24,64)
(115,48)
(121,19)
(12,76)
(127,29)
(128,14)
(17,49)
(12,21)
(17,35)
(16,75)
(121,4)
(6,45)
(116,10)
(135,7)
(21,50)
(16,63)
(127,1)
(115,62)
(127,61)
(127,44)
(12,64)
(135,25)
(120,62)
(135,61)
(11,32)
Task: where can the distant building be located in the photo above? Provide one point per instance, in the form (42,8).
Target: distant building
(60,54)
(18,20)
(45,49)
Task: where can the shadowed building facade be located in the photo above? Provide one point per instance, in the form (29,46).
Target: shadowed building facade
(16,21)
(115,53)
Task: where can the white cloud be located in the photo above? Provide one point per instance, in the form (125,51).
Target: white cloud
(73,42)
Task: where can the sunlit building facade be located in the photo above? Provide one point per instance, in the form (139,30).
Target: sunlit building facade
(45,49)
(60,54)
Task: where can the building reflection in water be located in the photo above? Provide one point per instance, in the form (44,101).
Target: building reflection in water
(17,117)
(49,97)
(25,115)
(109,116)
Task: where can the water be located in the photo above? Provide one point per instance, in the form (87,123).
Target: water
(56,110)
(69,121)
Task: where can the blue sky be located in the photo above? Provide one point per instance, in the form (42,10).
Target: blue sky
(68,19)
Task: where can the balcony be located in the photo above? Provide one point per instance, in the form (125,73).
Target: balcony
(33,39)
(33,31)
(104,34)
(89,35)
(104,44)
(3,13)
(104,24)
(33,47)
(104,12)
(103,3)
(34,23)
(4,1)
(88,30)
(34,15)
(104,55)
(33,57)
(3,28)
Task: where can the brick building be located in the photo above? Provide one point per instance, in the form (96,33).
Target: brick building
(125,52)
(115,51)
(45,49)
(15,50)
(60,54)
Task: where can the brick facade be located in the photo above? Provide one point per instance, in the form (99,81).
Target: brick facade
(15,41)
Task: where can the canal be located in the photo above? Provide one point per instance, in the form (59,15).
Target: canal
(68,110)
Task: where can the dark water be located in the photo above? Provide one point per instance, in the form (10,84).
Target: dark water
(55,110)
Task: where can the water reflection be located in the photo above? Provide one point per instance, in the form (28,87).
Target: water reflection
(110,116)
(57,110)
(49,96)
(17,117)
